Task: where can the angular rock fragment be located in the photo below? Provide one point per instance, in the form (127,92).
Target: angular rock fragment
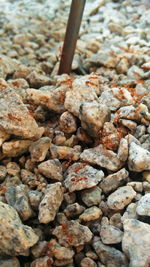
(121,198)
(38,149)
(3,136)
(10,262)
(109,256)
(110,234)
(88,262)
(64,152)
(102,157)
(50,203)
(73,234)
(90,214)
(13,168)
(68,122)
(91,196)
(15,117)
(143,206)
(3,172)
(37,80)
(45,261)
(28,178)
(51,169)
(73,210)
(139,158)
(15,148)
(113,181)
(123,150)
(60,252)
(81,176)
(136,242)
(93,115)
(16,238)
(7,66)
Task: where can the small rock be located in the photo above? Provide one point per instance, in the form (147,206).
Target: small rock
(115,220)
(45,261)
(137,186)
(81,176)
(64,152)
(90,214)
(92,196)
(3,172)
(113,181)
(136,242)
(135,73)
(110,234)
(10,262)
(7,66)
(72,233)
(13,168)
(73,210)
(39,249)
(35,198)
(51,169)
(16,237)
(109,256)
(102,157)
(130,212)
(28,178)
(88,262)
(38,149)
(146,176)
(37,80)
(139,158)
(60,252)
(121,197)
(123,150)
(100,59)
(68,122)
(50,203)
(15,148)
(128,112)
(3,137)
(143,206)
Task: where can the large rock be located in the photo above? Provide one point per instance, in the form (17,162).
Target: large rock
(15,117)
(102,157)
(136,242)
(139,158)
(16,238)
(81,176)
(50,203)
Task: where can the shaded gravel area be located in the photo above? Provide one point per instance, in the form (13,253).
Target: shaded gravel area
(75,149)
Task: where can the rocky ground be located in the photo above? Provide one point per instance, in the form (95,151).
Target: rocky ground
(75,150)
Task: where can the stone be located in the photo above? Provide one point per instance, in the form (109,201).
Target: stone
(39,149)
(121,198)
(60,252)
(88,262)
(143,206)
(135,73)
(17,197)
(51,169)
(16,120)
(72,233)
(37,80)
(15,148)
(45,261)
(50,203)
(92,196)
(81,176)
(39,249)
(93,116)
(137,186)
(146,176)
(131,125)
(35,198)
(113,181)
(90,214)
(101,59)
(130,212)
(110,234)
(123,150)
(3,173)
(128,112)
(109,256)
(10,262)
(7,66)
(28,178)
(3,137)
(101,157)
(73,210)
(139,158)
(67,122)
(136,242)
(13,168)
(64,152)
(115,220)
(16,238)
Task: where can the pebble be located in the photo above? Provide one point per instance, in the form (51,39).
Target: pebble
(130,212)
(68,122)
(88,262)
(37,80)
(50,203)
(35,198)
(73,210)
(13,168)
(51,169)
(137,186)
(15,148)
(123,150)
(45,261)
(39,149)
(139,158)
(81,176)
(135,243)
(19,237)
(60,252)
(121,198)
(110,234)
(92,196)
(64,152)
(3,172)
(143,206)
(90,214)
(146,176)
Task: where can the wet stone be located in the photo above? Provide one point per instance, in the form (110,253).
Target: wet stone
(51,169)
(121,198)
(81,176)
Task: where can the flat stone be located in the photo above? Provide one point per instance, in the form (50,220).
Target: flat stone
(136,242)
(50,203)
(113,181)
(15,148)
(81,176)
(93,116)
(51,169)
(15,117)
(90,214)
(38,149)
(72,233)
(109,256)
(102,157)
(110,234)
(92,196)
(139,158)
(16,238)
(143,206)
(121,198)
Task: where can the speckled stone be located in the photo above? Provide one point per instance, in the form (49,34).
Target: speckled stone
(90,214)
(110,234)
(51,169)
(91,196)
(143,206)
(38,149)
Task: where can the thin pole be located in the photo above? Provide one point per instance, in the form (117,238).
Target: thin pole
(73,26)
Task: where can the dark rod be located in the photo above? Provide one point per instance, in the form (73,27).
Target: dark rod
(73,26)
